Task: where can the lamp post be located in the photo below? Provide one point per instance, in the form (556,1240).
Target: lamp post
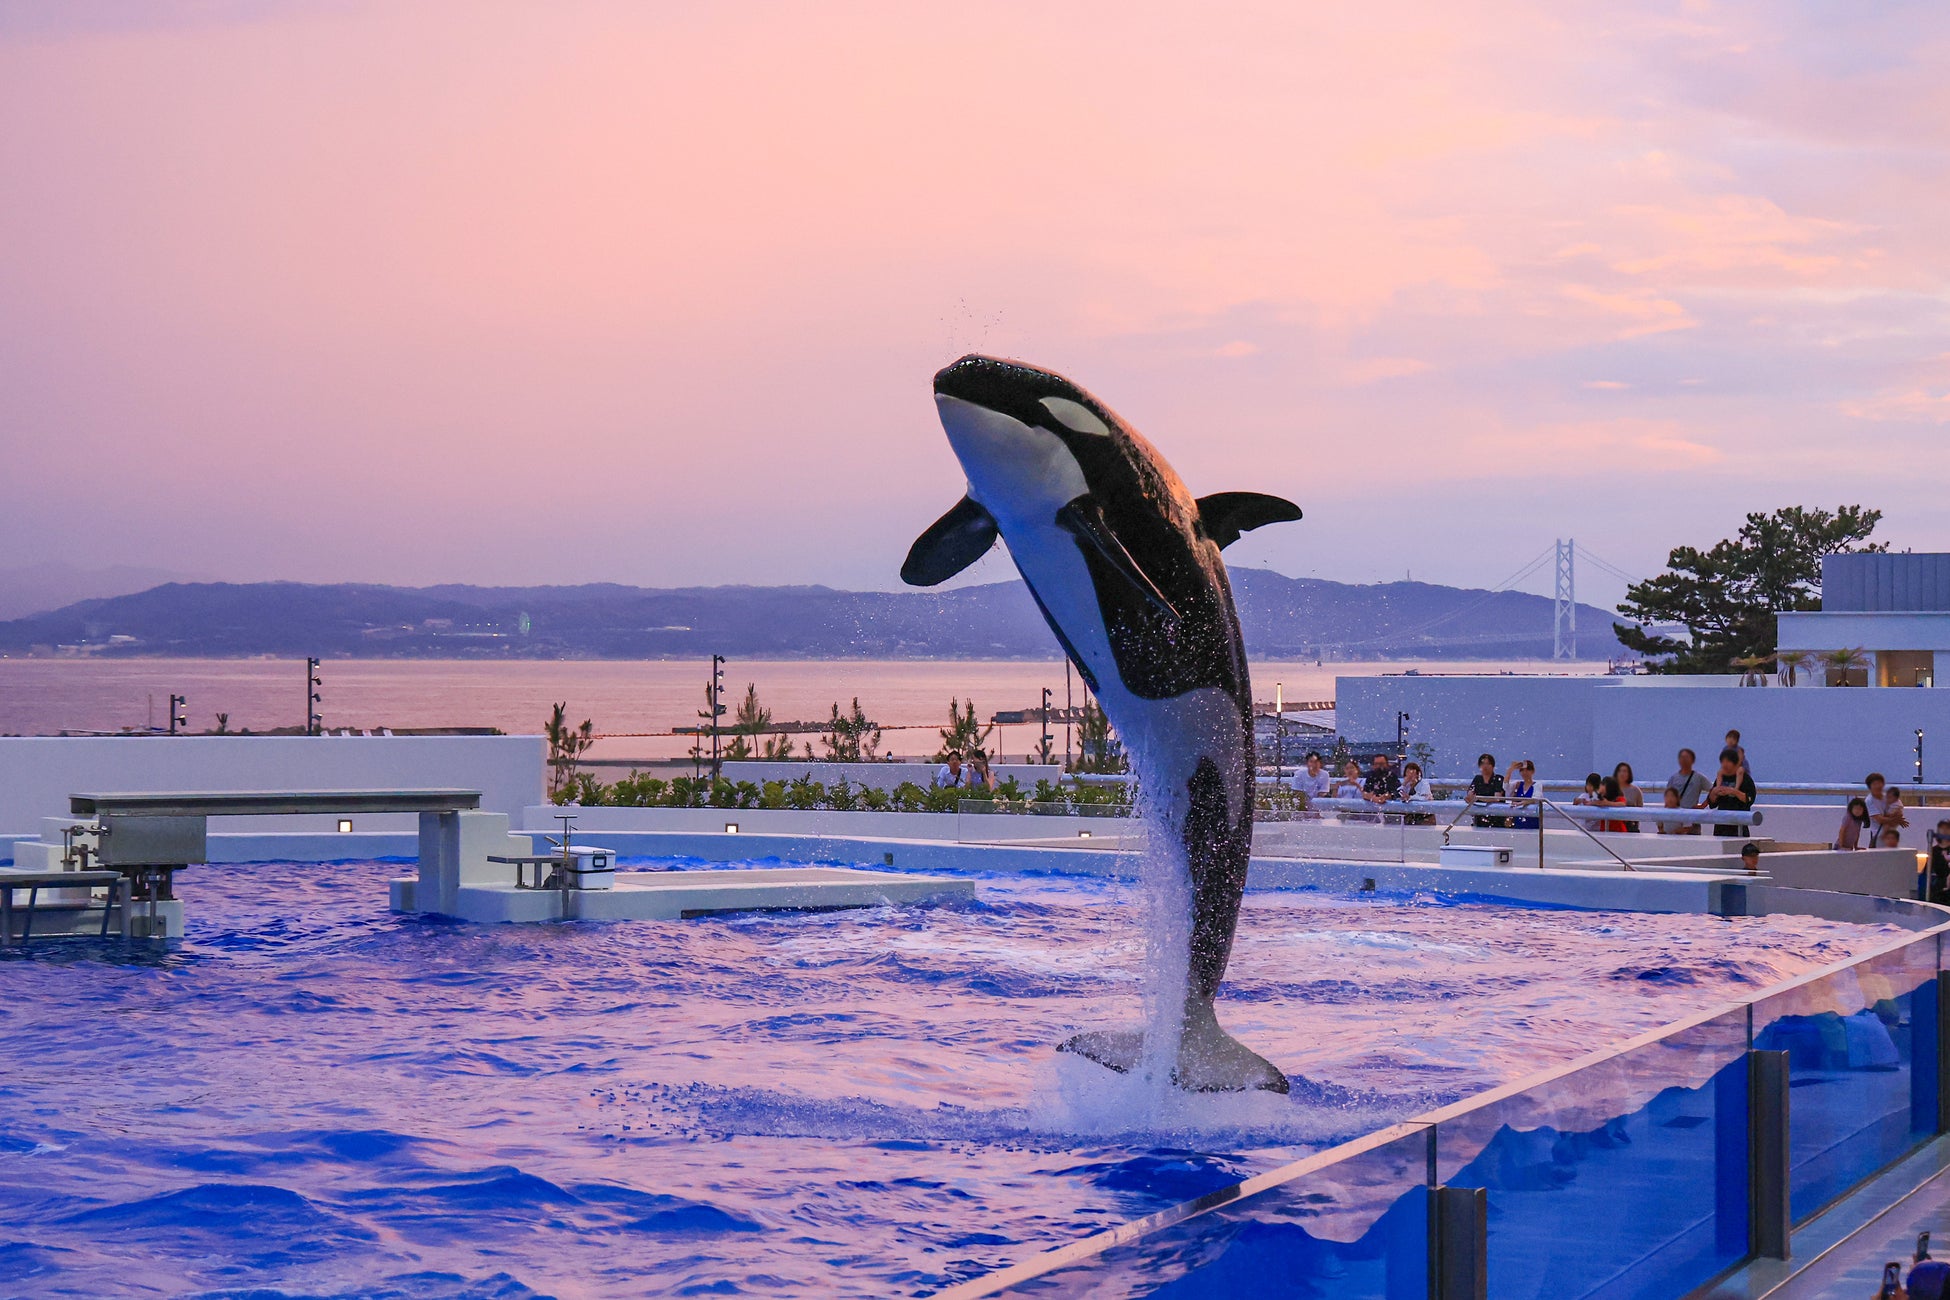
(1401,740)
(1919,756)
(717,711)
(314,724)
(1046,749)
(1279,734)
(178,713)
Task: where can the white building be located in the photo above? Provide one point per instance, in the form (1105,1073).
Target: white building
(1895,609)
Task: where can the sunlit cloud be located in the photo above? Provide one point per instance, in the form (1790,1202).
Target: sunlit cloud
(329,290)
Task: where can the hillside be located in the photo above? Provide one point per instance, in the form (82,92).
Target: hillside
(1282,618)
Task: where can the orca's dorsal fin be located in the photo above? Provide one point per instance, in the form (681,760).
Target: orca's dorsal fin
(950,544)
(1228,514)
(1084,520)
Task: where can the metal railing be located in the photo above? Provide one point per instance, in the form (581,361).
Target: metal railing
(1649,1169)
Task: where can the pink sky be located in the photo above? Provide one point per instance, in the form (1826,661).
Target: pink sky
(652,293)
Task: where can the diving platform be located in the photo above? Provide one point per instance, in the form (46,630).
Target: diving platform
(679,895)
(110,866)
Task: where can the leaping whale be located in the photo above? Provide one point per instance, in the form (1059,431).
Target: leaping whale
(1124,564)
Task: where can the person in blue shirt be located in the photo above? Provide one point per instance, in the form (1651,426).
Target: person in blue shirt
(1522,784)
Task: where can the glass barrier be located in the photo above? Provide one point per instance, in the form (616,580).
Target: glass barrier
(1354,1225)
(1629,1174)
(1625,1177)
(1862,1068)
(1310,836)
(1000,821)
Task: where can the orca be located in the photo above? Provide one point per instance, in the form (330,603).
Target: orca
(1124,564)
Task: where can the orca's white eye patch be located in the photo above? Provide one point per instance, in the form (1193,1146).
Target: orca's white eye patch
(1075,415)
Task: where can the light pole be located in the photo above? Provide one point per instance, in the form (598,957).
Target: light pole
(1279,734)
(314,723)
(178,713)
(717,711)
(1919,756)
(1046,750)
(1401,740)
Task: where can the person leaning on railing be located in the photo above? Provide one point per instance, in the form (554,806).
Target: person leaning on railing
(1633,799)
(1487,787)
(1416,789)
(1671,797)
(1522,784)
(1610,796)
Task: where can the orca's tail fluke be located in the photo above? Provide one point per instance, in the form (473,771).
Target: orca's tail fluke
(1209,1059)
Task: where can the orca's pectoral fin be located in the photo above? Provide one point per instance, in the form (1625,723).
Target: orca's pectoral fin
(1084,520)
(1228,514)
(950,544)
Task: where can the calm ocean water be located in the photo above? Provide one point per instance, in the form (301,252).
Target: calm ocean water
(623,698)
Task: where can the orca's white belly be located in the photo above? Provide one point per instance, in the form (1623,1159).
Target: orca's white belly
(1170,736)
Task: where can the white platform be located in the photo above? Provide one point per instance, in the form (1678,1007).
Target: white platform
(673,895)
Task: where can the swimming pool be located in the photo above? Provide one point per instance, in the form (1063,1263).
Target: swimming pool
(311,1096)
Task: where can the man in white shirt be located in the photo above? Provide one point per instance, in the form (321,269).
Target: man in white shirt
(1886,810)
(949,775)
(1313,781)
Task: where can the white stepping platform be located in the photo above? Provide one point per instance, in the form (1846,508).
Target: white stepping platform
(673,895)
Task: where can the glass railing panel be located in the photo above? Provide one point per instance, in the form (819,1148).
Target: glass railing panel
(1625,1176)
(1862,1068)
(1340,835)
(1353,1224)
(1005,821)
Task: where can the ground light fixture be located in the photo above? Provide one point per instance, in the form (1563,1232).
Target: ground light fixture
(345,825)
(731,828)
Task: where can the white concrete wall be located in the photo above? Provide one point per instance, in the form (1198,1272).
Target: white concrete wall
(881,776)
(1545,719)
(1827,735)
(38,773)
(1571,726)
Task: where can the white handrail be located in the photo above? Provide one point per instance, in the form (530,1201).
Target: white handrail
(1577,812)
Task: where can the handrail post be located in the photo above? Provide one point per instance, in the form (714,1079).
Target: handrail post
(1767,1151)
(1587,834)
(1462,1219)
(1943,1051)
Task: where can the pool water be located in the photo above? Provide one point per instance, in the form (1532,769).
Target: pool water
(309,1096)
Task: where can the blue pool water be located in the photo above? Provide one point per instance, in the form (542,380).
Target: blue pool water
(309,1096)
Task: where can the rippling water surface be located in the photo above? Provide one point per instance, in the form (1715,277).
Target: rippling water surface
(311,1097)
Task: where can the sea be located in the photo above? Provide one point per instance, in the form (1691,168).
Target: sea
(635,705)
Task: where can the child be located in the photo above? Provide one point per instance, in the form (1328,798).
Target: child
(1674,828)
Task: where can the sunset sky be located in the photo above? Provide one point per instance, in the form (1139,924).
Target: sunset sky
(652,293)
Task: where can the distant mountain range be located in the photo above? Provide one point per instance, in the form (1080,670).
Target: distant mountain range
(1283,618)
(32,588)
